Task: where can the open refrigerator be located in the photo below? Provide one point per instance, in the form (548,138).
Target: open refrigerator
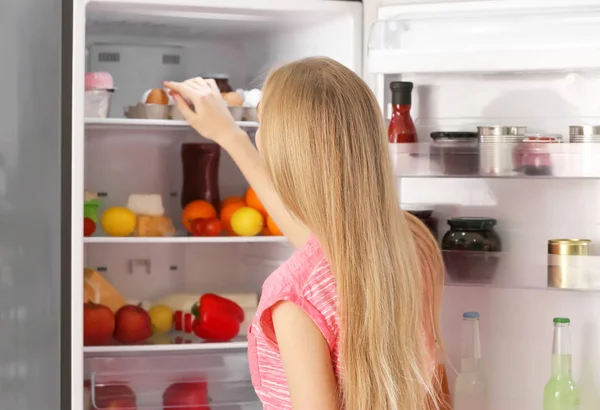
(473,63)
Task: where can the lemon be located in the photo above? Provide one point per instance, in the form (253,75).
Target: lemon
(161,317)
(247,221)
(118,221)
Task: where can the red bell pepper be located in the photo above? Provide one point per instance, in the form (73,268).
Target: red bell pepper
(218,319)
(220,303)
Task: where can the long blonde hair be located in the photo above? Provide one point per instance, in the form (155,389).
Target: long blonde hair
(324,143)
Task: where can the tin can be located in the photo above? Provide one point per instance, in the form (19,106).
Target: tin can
(496,154)
(566,263)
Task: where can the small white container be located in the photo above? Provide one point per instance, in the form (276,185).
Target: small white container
(97,103)
(237,113)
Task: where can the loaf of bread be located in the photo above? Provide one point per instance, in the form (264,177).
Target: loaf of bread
(148,225)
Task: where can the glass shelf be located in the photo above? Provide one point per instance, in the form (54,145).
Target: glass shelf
(184,239)
(167,125)
(165,343)
(513,271)
(497,160)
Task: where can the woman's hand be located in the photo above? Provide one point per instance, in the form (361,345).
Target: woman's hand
(208,113)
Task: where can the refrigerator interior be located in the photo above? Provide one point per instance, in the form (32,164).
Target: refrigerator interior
(141,45)
(506,63)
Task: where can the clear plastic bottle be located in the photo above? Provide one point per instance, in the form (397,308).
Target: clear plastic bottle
(470,390)
(561,392)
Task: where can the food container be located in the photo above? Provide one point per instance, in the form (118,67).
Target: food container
(566,263)
(250,114)
(425,215)
(99,88)
(584,130)
(496,148)
(457,152)
(471,250)
(90,209)
(222,81)
(175,113)
(532,156)
(500,130)
(237,113)
(148,111)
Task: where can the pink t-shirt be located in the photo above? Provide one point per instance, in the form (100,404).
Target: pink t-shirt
(306,280)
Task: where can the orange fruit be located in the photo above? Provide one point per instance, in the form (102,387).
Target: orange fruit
(227,212)
(272,227)
(197,209)
(232,200)
(265,231)
(253,202)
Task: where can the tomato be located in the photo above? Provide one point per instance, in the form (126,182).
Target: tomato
(89,227)
(212,227)
(197,226)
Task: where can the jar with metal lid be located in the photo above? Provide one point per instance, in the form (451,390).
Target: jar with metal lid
(470,248)
(456,151)
(222,81)
(584,133)
(566,263)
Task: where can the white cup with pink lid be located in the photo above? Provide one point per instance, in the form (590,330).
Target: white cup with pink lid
(98,92)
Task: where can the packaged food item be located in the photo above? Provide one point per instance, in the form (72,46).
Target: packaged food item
(470,248)
(154,226)
(456,151)
(222,81)
(98,93)
(200,162)
(98,290)
(401,128)
(146,204)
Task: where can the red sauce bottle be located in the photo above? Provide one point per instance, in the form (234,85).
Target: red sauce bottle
(402,128)
(200,173)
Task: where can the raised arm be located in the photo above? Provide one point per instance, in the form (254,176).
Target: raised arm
(202,106)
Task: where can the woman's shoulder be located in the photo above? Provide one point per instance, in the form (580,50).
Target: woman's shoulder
(306,280)
(295,274)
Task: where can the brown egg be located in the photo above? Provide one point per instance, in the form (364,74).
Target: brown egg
(157,96)
(233,99)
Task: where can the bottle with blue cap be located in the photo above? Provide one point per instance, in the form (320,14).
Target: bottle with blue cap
(470,389)
(561,392)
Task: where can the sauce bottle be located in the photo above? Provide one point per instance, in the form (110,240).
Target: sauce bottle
(401,128)
(200,173)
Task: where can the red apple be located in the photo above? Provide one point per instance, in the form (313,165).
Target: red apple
(98,324)
(115,396)
(192,395)
(132,324)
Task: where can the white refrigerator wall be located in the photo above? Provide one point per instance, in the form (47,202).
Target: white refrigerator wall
(516,325)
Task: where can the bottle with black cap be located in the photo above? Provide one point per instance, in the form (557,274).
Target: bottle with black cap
(402,128)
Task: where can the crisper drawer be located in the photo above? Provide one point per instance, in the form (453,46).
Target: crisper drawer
(176,381)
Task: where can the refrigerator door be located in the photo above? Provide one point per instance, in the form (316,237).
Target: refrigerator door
(34,226)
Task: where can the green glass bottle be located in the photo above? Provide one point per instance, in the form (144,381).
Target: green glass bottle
(561,392)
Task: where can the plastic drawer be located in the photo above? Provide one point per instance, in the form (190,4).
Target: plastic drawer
(184,380)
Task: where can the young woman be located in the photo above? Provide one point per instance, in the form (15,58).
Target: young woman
(349,320)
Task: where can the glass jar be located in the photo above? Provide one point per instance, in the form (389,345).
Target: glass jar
(470,248)
(456,151)
(222,81)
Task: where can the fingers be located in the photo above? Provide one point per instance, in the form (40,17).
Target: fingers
(213,85)
(183,106)
(182,89)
